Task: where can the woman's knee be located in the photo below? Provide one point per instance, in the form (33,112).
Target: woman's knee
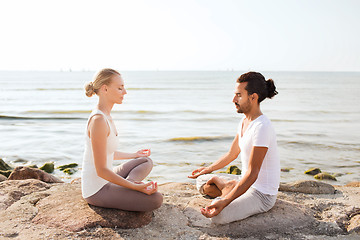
(155,201)
(146,160)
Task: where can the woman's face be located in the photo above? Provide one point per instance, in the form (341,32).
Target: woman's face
(116,89)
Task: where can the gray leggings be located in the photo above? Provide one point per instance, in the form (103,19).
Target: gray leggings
(250,203)
(114,196)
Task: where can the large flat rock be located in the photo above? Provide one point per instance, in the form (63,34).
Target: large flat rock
(306,186)
(65,208)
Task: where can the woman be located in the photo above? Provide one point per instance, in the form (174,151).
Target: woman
(121,187)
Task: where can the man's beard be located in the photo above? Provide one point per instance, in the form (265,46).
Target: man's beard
(244,108)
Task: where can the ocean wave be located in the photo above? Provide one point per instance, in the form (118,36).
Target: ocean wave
(59,111)
(45,89)
(199,138)
(38,118)
(144,112)
(312,145)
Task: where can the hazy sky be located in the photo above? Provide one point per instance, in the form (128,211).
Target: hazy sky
(310,35)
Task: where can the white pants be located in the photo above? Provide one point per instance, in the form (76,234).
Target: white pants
(248,204)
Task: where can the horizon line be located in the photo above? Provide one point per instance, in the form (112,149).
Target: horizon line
(158,70)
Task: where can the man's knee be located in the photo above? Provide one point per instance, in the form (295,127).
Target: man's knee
(219,219)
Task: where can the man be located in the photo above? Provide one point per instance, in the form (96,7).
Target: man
(255,140)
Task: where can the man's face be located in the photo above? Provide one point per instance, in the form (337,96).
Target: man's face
(241,98)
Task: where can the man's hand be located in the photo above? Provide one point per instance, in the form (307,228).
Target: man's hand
(199,171)
(214,209)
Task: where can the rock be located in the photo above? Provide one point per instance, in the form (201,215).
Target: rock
(12,191)
(354,224)
(48,167)
(4,166)
(313,171)
(20,160)
(2,178)
(71,165)
(323,176)
(5,173)
(285,169)
(233,170)
(33,166)
(21,173)
(306,186)
(69,171)
(65,208)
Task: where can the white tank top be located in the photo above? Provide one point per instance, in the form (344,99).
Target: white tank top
(91,183)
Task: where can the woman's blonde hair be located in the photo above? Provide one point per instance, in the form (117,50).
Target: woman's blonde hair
(102,77)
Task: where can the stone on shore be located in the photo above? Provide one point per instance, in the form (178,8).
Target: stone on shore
(66,209)
(5,173)
(309,187)
(20,173)
(12,191)
(4,166)
(2,178)
(48,167)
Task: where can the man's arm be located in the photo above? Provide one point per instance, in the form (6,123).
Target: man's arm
(230,156)
(256,158)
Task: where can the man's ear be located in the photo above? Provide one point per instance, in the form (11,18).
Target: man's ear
(254,97)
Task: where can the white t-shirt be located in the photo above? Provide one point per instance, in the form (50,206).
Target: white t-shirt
(260,133)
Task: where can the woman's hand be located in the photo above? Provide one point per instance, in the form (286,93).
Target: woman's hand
(143,153)
(147,188)
(214,209)
(199,171)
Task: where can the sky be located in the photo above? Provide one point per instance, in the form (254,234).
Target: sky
(165,35)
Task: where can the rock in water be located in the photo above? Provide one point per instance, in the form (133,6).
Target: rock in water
(233,170)
(313,171)
(305,186)
(4,166)
(322,176)
(2,178)
(69,171)
(5,173)
(71,165)
(65,208)
(48,167)
(21,173)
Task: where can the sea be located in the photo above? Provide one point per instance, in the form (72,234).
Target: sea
(186,118)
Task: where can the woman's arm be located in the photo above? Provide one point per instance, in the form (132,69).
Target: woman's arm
(98,132)
(141,153)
